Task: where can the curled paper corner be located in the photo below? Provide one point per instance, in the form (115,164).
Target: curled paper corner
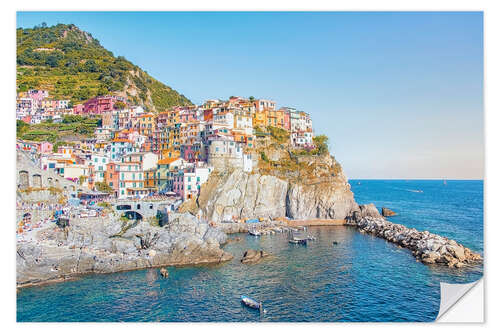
(451,295)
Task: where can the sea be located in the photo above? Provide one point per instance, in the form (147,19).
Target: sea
(343,276)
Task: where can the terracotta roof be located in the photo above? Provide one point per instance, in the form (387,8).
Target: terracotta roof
(168,160)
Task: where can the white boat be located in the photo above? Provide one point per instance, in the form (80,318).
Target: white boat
(250,302)
(254,232)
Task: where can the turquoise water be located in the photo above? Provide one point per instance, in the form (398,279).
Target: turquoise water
(362,278)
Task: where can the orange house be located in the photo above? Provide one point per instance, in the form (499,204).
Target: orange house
(259,119)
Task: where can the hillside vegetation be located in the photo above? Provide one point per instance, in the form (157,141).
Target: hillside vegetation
(71,64)
(71,128)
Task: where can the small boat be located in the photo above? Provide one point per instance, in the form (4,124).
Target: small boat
(298,241)
(254,232)
(250,302)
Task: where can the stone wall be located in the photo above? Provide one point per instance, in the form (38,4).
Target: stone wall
(30,175)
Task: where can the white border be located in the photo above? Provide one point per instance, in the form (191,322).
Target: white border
(492,86)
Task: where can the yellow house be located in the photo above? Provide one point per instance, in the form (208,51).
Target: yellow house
(260,119)
(146,124)
(169,153)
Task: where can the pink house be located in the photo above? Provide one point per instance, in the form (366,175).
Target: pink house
(100,104)
(44,147)
(78,109)
(189,153)
(38,95)
(286,121)
(188,116)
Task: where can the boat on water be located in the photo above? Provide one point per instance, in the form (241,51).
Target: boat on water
(254,232)
(250,302)
(301,241)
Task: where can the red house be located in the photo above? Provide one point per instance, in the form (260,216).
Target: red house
(100,104)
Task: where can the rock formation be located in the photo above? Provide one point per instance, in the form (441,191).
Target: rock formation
(425,246)
(386,212)
(164,272)
(97,245)
(314,187)
(253,256)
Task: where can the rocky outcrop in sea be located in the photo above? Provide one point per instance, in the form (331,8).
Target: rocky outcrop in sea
(253,256)
(104,245)
(425,246)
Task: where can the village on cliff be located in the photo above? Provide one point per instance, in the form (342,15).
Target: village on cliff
(138,154)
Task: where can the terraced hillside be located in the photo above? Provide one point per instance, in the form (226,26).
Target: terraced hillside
(72,64)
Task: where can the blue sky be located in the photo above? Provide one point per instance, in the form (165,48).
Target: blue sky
(400,95)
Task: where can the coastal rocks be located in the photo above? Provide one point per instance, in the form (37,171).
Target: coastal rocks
(386,212)
(425,246)
(253,256)
(92,246)
(164,272)
(369,210)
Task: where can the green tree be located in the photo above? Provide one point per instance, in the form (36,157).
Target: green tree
(119,105)
(321,143)
(103,187)
(21,128)
(52,61)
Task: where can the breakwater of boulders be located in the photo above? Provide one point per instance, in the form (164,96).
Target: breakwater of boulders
(427,247)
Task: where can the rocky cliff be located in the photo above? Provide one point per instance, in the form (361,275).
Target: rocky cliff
(298,187)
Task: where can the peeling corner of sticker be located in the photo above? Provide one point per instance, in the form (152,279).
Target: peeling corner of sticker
(451,293)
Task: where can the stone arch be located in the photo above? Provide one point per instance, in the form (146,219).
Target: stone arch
(24,179)
(37,180)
